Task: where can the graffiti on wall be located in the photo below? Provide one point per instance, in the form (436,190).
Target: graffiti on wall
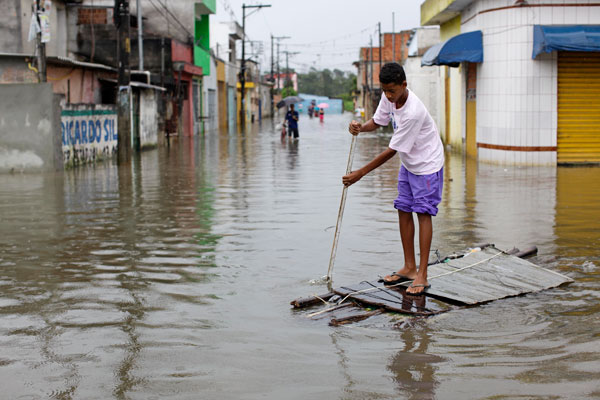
(89,133)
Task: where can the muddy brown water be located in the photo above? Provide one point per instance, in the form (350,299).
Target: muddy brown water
(172,277)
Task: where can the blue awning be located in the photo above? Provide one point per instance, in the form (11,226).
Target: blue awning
(549,38)
(464,47)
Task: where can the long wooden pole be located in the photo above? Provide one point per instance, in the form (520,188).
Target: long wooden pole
(338,225)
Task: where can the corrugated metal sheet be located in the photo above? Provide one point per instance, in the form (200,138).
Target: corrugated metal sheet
(488,275)
(578,136)
(392,298)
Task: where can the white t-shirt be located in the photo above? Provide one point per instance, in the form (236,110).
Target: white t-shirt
(416,137)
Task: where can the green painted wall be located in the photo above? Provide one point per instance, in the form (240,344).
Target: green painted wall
(202,43)
(206,7)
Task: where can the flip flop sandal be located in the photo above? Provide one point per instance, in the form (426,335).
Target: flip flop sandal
(401,278)
(419,285)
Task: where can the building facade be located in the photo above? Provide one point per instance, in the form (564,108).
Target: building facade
(532,98)
(394,48)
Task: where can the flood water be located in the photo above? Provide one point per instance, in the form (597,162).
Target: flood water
(171,278)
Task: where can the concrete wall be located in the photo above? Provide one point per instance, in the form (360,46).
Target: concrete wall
(78,85)
(425,82)
(149,120)
(88,132)
(209,89)
(10,26)
(29,128)
(265,99)
(14,69)
(15,17)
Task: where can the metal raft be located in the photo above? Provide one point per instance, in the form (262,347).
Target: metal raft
(475,276)
(488,274)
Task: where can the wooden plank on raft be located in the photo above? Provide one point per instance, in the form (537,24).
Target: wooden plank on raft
(334,311)
(392,299)
(345,313)
(355,317)
(311,300)
(486,275)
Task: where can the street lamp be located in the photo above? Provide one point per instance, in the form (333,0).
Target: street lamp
(243,66)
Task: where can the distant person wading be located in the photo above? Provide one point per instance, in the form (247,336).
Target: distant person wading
(292,120)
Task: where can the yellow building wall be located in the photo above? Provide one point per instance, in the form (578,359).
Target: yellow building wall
(220,70)
(455,112)
(432,8)
(456,106)
(450,29)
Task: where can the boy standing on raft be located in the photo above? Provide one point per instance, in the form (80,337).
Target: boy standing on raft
(420,179)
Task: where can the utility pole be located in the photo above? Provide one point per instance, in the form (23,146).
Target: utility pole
(123,96)
(380,61)
(393,38)
(278,38)
(272,81)
(41,46)
(371,62)
(287,65)
(243,66)
(140,37)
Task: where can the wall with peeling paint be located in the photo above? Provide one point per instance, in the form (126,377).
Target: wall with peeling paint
(29,128)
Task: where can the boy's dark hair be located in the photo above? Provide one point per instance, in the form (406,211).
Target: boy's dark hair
(392,73)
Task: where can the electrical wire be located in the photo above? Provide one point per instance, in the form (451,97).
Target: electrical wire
(175,17)
(164,15)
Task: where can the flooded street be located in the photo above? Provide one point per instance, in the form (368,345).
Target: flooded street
(172,277)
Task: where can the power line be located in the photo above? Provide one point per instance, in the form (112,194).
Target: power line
(166,17)
(175,18)
(229,9)
(335,38)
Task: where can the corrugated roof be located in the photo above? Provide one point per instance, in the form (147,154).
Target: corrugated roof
(85,64)
(137,84)
(487,275)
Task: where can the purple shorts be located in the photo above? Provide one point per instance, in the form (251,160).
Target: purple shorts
(419,193)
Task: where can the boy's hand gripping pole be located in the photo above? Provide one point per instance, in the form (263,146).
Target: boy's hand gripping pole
(338,225)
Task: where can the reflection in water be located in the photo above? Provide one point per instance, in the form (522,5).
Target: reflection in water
(459,202)
(171,277)
(413,368)
(292,152)
(577,224)
(577,231)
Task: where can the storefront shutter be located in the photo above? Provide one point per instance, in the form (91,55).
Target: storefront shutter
(578,133)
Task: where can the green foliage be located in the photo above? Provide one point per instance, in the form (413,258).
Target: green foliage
(288,91)
(328,83)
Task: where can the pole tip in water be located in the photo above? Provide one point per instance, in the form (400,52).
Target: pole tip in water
(320,281)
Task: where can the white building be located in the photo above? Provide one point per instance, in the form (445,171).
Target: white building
(533,98)
(425,82)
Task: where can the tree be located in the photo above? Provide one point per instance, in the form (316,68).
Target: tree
(328,83)
(288,91)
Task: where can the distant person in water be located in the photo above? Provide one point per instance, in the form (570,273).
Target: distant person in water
(420,180)
(321,114)
(292,120)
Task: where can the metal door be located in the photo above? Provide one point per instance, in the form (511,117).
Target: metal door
(578,133)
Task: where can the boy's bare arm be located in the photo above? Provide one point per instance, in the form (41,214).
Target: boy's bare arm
(378,161)
(356,127)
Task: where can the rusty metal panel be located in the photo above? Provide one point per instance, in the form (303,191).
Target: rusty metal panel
(487,275)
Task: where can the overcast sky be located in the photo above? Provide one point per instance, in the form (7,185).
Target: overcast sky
(325,33)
